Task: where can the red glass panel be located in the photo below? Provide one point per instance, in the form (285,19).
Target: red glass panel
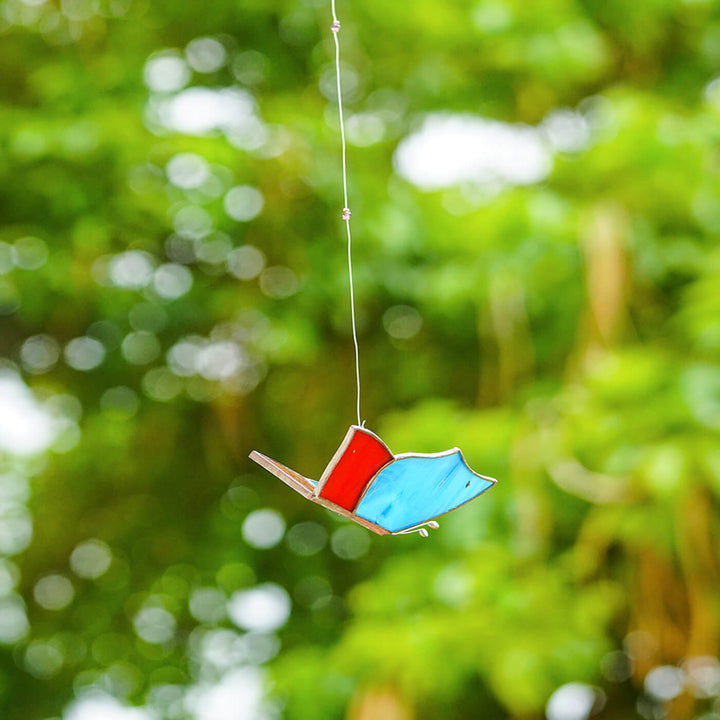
(362,458)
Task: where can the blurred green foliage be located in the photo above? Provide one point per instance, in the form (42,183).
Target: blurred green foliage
(169,318)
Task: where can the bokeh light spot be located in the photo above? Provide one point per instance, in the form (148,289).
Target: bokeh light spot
(616,666)
(84,353)
(245,262)
(236,695)
(250,67)
(402,322)
(263,528)
(180,250)
(155,625)
(9,577)
(453,585)
(16,530)
(450,149)
(14,623)
(161,384)
(172,281)
(91,558)
(201,111)
(566,131)
(6,258)
(279,282)
(132,269)
(574,701)
(350,542)
(182,357)
(234,576)
(306,538)
(243,203)
(120,401)
(39,353)
(43,659)
(220,360)
(53,592)
(192,222)
(214,249)
(97,705)
(208,605)
(205,54)
(264,608)
(365,129)
(313,592)
(141,347)
(665,682)
(26,428)
(29,253)
(166,71)
(703,675)
(187,170)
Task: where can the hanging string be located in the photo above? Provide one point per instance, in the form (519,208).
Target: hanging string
(346,214)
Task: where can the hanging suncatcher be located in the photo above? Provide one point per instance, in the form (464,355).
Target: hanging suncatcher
(388,494)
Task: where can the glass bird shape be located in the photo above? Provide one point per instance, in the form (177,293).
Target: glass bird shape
(388,494)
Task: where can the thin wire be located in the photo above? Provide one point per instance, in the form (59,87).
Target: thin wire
(346,210)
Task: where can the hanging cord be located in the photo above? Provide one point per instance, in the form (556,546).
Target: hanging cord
(346,214)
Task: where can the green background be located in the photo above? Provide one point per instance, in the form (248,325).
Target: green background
(564,333)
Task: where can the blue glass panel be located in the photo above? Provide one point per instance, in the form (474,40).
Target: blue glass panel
(412,490)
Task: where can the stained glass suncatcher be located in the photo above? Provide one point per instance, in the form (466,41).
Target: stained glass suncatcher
(388,494)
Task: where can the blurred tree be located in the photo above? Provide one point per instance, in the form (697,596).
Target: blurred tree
(535,203)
